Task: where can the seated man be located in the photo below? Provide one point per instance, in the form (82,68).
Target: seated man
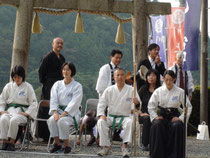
(118,98)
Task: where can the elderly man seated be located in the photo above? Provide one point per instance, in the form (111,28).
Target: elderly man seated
(119,100)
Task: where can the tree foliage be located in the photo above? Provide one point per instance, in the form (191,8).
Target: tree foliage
(88,51)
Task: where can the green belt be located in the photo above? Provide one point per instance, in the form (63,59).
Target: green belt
(16,106)
(63,107)
(114,121)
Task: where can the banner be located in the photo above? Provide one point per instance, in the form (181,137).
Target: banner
(175,33)
(159,37)
(192,24)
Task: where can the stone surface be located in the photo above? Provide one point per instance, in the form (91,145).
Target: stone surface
(195,149)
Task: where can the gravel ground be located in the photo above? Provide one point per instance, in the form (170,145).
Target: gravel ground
(195,149)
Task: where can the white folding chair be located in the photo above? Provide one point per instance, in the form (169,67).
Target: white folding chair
(42,103)
(91,103)
(26,134)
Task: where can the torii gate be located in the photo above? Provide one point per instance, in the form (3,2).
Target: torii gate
(138,8)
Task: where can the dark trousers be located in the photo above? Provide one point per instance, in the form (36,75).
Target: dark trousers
(145,120)
(43,131)
(166,139)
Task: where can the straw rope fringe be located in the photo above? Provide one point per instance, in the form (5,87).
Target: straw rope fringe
(66,11)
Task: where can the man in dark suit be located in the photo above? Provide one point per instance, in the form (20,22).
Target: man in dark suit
(153,62)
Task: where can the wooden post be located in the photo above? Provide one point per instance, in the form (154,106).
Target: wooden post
(139,34)
(204,63)
(22,34)
(139,30)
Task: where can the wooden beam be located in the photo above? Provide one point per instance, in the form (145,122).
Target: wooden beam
(158,8)
(97,5)
(88,5)
(10,2)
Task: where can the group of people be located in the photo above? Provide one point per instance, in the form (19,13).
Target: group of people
(162,132)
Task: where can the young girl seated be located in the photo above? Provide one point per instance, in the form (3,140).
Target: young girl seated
(17,102)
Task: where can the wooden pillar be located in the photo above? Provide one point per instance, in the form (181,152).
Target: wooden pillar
(204,63)
(22,34)
(139,30)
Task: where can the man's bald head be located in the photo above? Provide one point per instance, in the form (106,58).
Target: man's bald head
(57,44)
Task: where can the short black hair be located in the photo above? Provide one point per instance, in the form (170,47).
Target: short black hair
(115,51)
(90,123)
(153,46)
(18,70)
(157,84)
(71,67)
(170,73)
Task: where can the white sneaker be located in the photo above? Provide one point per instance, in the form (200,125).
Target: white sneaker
(125,152)
(104,151)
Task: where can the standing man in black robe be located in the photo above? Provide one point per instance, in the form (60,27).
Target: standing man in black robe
(49,73)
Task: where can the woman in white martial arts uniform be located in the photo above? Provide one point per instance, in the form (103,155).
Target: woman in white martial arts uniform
(166,133)
(17,102)
(65,102)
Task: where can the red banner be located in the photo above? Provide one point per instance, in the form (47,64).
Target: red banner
(175,33)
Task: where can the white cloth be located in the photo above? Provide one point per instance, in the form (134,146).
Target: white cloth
(103,129)
(152,62)
(12,93)
(61,127)
(9,124)
(168,99)
(67,95)
(23,94)
(104,78)
(118,103)
(190,85)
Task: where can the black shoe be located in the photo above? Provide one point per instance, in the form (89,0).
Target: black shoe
(11,147)
(55,148)
(92,140)
(67,150)
(4,146)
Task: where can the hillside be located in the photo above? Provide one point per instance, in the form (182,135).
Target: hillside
(88,51)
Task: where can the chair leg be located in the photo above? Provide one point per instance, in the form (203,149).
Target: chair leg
(24,138)
(48,144)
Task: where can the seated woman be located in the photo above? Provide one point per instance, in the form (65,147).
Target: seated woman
(89,121)
(65,102)
(17,102)
(145,92)
(167,135)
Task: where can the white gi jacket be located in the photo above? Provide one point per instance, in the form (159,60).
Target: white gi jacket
(104,78)
(118,102)
(23,94)
(168,99)
(68,95)
(190,85)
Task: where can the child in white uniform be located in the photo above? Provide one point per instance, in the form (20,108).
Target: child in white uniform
(17,102)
